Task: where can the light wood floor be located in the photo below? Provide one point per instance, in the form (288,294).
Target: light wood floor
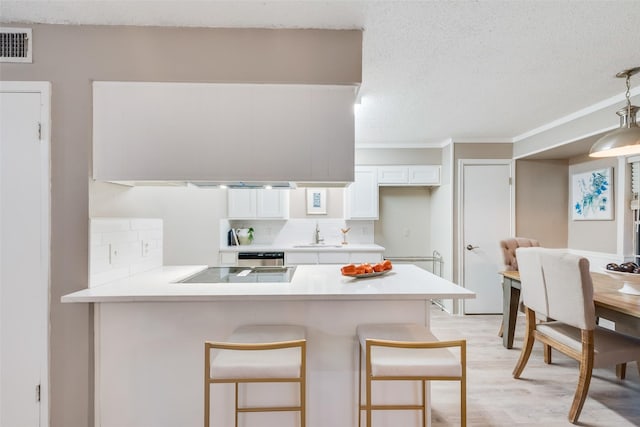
(542,396)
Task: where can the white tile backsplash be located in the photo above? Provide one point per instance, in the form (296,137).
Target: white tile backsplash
(301,231)
(121,247)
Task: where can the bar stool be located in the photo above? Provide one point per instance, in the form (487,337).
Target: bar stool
(408,352)
(257,354)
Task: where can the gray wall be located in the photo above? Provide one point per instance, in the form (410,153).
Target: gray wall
(71,57)
(542,200)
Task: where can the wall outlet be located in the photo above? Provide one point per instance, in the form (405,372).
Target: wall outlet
(145,248)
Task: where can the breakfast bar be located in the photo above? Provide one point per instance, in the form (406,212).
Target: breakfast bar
(150,332)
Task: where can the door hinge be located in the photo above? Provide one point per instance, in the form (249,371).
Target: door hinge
(510,181)
(39,131)
(38,393)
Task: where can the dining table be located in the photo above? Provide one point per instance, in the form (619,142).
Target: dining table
(621,308)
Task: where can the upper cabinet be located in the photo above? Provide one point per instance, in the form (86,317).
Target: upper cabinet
(223,132)
(361,197)
(409,175)
(256,203)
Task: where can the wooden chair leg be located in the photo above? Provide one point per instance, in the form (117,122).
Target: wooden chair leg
(547,354)
(586,369)
(527,345)
(501,331)
(621,371)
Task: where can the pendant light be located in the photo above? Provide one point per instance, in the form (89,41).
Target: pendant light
(625,140)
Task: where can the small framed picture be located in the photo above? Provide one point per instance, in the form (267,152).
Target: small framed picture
(316,201)
(592,195)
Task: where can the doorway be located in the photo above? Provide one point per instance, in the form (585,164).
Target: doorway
(486,217)
(24,253)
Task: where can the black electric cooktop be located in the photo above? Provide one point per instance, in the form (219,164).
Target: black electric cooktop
(242,275)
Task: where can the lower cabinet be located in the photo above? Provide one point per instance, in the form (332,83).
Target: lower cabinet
(359,257)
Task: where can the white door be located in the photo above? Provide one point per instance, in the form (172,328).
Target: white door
(486,218)
(24,256)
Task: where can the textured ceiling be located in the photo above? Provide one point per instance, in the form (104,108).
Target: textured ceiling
(432,70)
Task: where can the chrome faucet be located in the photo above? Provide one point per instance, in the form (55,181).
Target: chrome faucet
(317,239)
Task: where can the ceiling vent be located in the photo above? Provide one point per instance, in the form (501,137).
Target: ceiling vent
(15,44)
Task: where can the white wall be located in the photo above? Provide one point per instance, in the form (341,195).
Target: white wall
(190,215)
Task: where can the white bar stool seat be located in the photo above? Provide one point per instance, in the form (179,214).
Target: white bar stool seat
(410,352)
(258,354)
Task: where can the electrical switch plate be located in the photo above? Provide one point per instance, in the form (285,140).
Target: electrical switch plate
(635,204)
(113,254)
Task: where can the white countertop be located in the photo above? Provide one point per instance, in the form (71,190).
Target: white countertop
(351,247)
(310,282)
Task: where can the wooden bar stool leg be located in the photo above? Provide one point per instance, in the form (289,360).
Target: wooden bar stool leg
(368,381)
(424,403)
(236,398)
(360,384)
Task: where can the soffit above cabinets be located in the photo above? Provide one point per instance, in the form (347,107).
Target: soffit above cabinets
(223,132)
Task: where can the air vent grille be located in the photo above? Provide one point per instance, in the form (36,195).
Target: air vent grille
(15,45)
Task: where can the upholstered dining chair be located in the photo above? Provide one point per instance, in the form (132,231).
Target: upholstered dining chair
(558,285)
(509,247)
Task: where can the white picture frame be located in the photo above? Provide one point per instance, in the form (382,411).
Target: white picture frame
(592,195)
(316,201)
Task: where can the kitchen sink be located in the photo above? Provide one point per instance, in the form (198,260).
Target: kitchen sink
(317,245)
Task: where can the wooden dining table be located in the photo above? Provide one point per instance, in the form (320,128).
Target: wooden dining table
(618,307)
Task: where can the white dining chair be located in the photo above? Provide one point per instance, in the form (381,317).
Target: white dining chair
(558,285)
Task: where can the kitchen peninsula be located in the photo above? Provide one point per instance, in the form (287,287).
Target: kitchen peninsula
(150,331)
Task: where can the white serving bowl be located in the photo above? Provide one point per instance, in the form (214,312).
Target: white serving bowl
(631,281)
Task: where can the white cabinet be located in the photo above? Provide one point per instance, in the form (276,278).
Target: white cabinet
(213,132)
(332,257)
(256,203)
(409,175)
(361,197)
(298,258)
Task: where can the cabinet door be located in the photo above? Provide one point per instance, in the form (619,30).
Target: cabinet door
(272,203)
(393,175)
(362,194)
(241,203)
(429,174)
(296,258)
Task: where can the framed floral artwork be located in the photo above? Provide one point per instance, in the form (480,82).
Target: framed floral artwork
(592,195)
(316,201)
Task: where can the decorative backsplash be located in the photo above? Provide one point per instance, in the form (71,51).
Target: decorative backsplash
(121,247)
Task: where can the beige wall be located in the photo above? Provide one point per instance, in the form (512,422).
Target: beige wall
(298,204)
(596,236)
(404,227)
(71,57)
(542,200)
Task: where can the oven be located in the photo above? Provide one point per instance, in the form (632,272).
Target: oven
(254,259)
